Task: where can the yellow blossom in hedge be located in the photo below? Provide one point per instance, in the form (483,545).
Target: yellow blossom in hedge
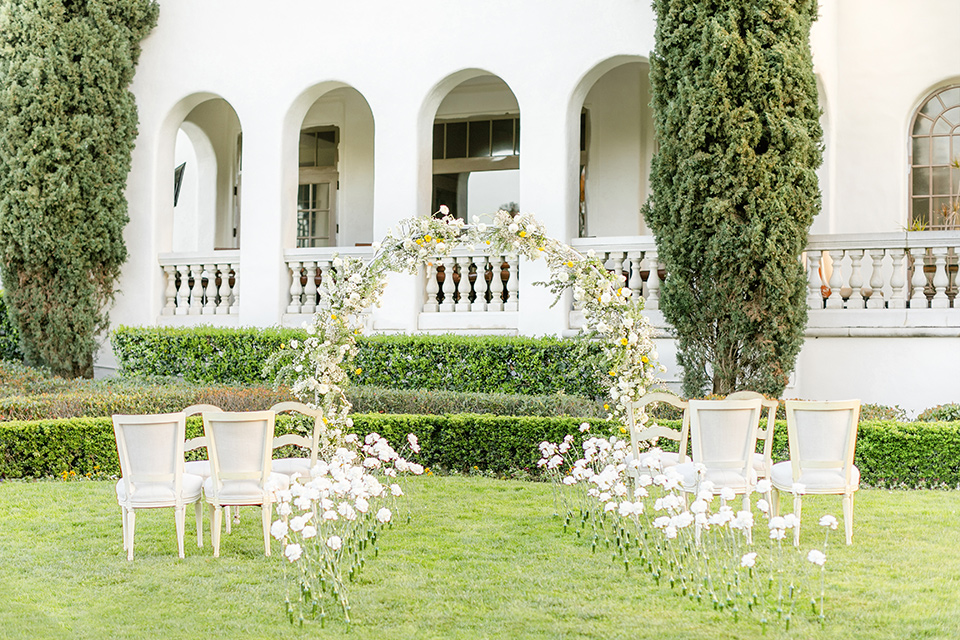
(523,234)
(427,237)
(624,341)
(644,359)
(570,263)
(623,430)
(358,371)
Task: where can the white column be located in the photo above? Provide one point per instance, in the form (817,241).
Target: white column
(940,280)
(403,167)
(268,205)
(876,280)
(918,297)
(549,160)
(814,291)
(898,281)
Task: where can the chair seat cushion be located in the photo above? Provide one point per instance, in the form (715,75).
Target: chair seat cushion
(721,478)
(290,466)
(159,494)
(242,492)
(814,480)
(198,468)
(758,464)
(667,459)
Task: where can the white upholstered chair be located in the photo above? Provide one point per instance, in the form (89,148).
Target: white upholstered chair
(240,445)
(654,431)
(823,437)
(302,466)
(150,448)
(723,436)
(762,461)
(197,467)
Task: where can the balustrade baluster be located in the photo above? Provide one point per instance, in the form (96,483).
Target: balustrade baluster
(481,286)
(169,290)
(653,281)
(496,283)
(635,282)
(513,285)
(235,302)
(310,290)
(196,292)
(223,307)
(295,288)
(835,301)
(463,286)
(898,281)
(814,283)
(855,301)
(941,279)
(430,305)
(918,283)
(210,293)
(876,280)
(447,289)
(183,290)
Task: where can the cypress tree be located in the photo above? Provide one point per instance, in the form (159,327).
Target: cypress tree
(67,127)
(734,188)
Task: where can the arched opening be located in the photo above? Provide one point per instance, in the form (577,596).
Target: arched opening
(207,174)
(935,162)
(616,146)
(476,149)
(335,172)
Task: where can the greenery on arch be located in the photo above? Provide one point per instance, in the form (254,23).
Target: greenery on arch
(318,367)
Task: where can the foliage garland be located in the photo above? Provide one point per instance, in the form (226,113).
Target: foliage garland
(318,367)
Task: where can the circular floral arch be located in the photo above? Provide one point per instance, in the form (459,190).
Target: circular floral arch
(317,367)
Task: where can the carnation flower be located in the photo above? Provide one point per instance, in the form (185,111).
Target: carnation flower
(279,529)
(384,515)
(293,552)
(749,560)
(829,521)
(335,542)
(817,557)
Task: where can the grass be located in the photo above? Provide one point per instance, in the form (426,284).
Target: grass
(481,558)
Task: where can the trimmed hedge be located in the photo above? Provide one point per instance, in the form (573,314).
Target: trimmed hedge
(495,364)
(86,446)
(889,454)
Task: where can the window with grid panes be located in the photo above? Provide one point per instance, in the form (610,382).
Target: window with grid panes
(935,156)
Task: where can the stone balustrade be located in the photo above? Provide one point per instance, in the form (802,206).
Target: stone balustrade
(307,268)
(201,284)
(471,281)
(915,270)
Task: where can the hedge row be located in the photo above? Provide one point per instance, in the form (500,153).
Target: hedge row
(501,445)
(496,364)
(9,336)
(889,454)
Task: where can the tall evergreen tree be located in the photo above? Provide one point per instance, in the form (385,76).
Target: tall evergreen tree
(734,188)
(67,127)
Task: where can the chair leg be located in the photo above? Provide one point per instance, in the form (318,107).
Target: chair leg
(774,502)
(848,516)
(236,514)
(265,513)
(216,514)
(131,528)
(180,515)
(123,523)
(797,507)
(229,522)
(198,507)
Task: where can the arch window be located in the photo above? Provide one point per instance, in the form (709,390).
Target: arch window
(935,162)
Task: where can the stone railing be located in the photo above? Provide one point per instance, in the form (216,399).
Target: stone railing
(201,284)
(471,281)
(879,270)
(634,257)
(306,268)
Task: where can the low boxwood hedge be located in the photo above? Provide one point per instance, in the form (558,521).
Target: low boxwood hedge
(492,364)
(889,454)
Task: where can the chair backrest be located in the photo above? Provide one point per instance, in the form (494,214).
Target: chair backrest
(150,448)
(653,431)
(201,441)
(823,435)
(240,445)
(723,433)
(312,443)
(771,405)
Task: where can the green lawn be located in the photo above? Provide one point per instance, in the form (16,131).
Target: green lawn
(481,558)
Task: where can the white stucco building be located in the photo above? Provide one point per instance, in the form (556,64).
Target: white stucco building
(309,127)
